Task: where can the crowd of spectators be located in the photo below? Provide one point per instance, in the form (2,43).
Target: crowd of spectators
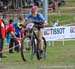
(10,31)
(15,4)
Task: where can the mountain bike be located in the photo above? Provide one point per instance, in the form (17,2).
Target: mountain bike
(31,40)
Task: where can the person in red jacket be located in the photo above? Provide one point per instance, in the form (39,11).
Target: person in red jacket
(11,31)
(2,36)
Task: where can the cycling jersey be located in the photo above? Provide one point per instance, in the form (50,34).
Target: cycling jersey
(39,17)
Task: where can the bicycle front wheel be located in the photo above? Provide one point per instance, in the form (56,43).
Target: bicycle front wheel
(26,48)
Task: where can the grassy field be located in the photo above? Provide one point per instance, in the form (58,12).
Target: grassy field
(63,19)
(58,57)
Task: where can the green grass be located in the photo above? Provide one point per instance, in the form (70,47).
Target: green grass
(58,55)
(70,3)
(63,19)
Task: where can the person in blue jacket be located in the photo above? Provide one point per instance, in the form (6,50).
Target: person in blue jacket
(18,27)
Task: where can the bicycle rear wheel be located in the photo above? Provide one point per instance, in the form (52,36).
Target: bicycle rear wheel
(44,48)
(43,55)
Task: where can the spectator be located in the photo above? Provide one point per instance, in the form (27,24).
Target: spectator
(10,31)
(52,5)
(2,35)
(41,2)
(55,23)
(36,2)
(61,2)
(17,26)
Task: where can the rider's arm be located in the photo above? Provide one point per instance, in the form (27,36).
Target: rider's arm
(42,18)
(28,18)
(45,23)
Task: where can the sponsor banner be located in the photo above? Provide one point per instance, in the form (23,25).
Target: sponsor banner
(72,31)
(57,33)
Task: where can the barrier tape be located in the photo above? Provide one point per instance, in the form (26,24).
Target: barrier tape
(19,40)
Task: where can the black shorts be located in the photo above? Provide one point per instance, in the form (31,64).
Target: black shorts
(38,26)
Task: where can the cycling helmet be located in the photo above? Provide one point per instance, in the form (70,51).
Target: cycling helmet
(34,9)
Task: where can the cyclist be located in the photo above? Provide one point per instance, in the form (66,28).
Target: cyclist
(37,18)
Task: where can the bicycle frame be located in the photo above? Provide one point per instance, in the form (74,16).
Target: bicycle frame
(30,31)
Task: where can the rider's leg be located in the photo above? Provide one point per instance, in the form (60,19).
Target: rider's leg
(40,34)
